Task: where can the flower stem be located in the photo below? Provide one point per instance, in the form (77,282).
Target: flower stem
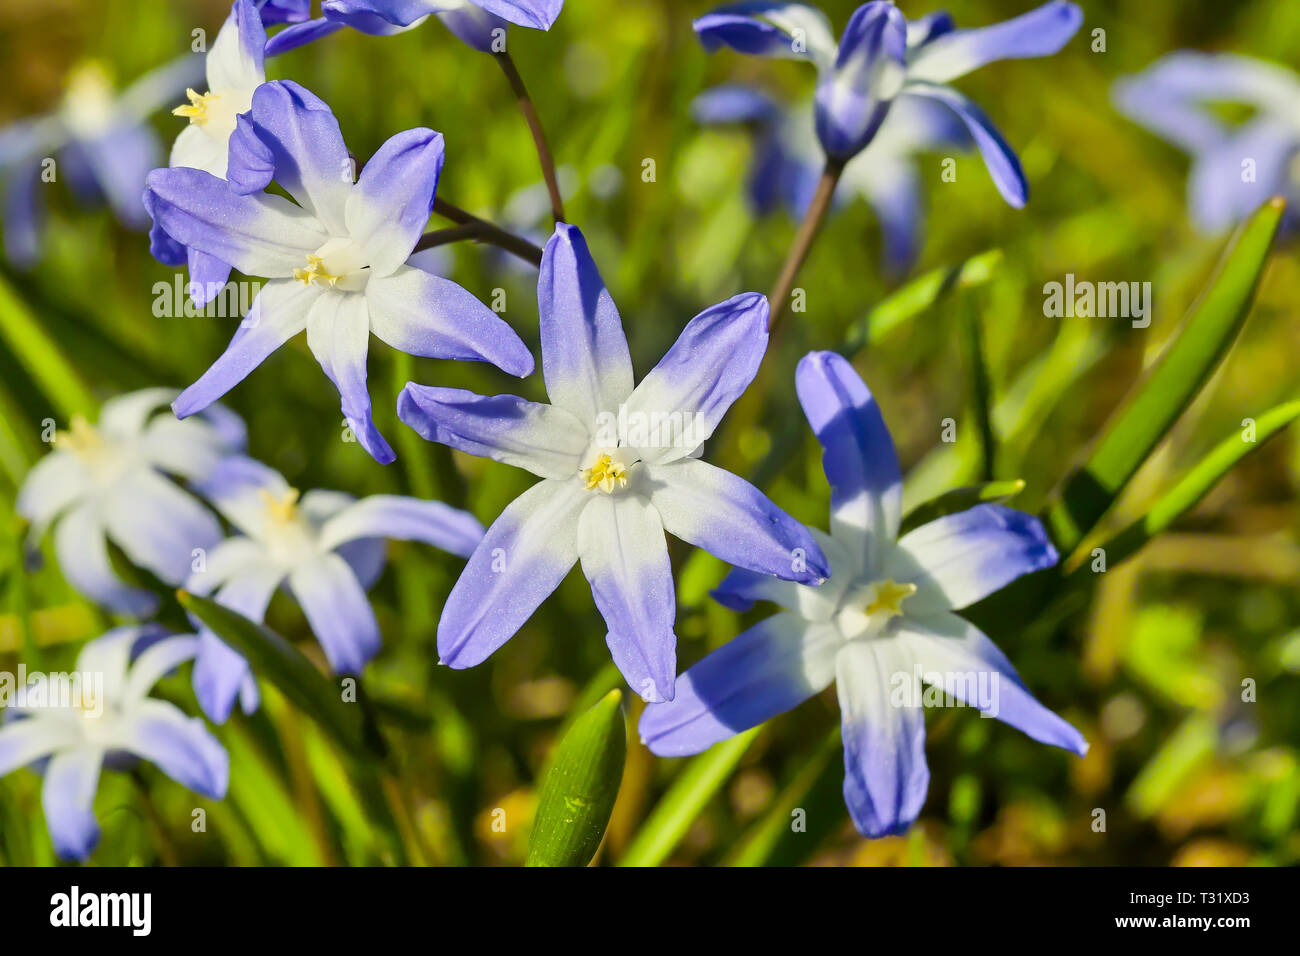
(469,226)
(535,127)
(812,221)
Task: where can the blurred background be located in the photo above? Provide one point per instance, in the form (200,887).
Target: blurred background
(1150,668)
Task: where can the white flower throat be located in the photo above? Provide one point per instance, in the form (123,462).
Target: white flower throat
(339,264)
(215,112)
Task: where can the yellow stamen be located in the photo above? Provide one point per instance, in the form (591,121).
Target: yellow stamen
(889,597)
(81,436)
(284,509)
(197,108)
(605,474)
(314,272)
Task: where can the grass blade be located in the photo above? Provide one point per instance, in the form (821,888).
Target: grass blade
(1170,386)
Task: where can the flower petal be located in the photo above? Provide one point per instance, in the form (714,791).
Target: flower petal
(545,440)
(538,14)
(706,370)
(68,799)
(181,747)
(858,454)
(1219,195)
(769,669)
(54,484)
(338,612)
(885,774)
(741,588)
(786,30)
(260,235)
(300,34)
(423,314)
(999,158)
(625,558)
(158,525)
(220,673)
(338,334)
(975,671)
(156,661)
(404,519)
(278,314)
(959,558)
(732,520)
(853,99)
(1040,32)
(82,550)
(25,741)
(585,360)
(389,206)
(523,558)
(236,59)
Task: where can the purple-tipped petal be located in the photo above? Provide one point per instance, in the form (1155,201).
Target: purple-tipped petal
(338,612)
(959,558)
(731,519)
(546,440)
(423,314)
(404,519)
(975,671)
(706,370)
(858,454)
(278,314)
(853,99)
(181,747)
(390,205)
(1040,32)
(885,774)
(769,669)
(68,798)
(625,558)
(784,30)
(522,559)
(585,359)
(999,158)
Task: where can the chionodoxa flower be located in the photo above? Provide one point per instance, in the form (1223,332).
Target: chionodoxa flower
(605,502)
(881,625)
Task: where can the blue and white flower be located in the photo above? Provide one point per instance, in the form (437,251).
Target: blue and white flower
(336,259)
(787,162)
(882,59)
(481,24)
(235,68)
(326,548)
(618,469)
(881,626)
(1235,168)
(100,144)
(109,723)
(107,482)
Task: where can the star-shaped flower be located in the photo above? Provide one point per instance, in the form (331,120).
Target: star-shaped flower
(881,58)
(326,547)
(108,482)
(336,260)
(616,459)
(104,718)
(881,626)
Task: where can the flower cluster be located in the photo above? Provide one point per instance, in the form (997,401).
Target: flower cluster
(260,181)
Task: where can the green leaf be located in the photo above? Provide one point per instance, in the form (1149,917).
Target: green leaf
(581,786)
(1196,484)
(39,355)
(917,296)
(690,793)
(351,725)
(960,499)
(1170,386)
(981,391)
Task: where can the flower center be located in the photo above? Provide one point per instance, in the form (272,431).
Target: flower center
(605,474)
(197,108)
(339,264)
(281,510)
(888,598)
(82,437)
(315,272)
